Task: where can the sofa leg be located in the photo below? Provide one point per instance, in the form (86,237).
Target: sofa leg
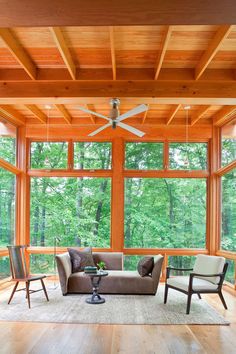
(166,293)
(189,303)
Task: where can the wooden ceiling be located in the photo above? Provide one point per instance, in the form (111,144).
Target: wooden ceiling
(165,67)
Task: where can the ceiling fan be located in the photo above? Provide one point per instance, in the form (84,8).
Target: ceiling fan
(115,119)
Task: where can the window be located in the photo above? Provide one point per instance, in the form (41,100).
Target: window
(49,155)
(181,262)
(92,156)
(188,156)
(165,213)
(131,262)
(42,264)
(230,274)
(228,210)
(8,142)
(228,144)
(70,211)
(7,208)
(4,267)
(144,156)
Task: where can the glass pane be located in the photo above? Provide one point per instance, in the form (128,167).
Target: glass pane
(70,211)
(181,262)
(42,264)
(8,142)
(228,144)
(144,156)
(228,222)
(165,213)
(188,156)
(230,274)
(131,262)
(49,155)
(4,267)
(7,208)
(92,156)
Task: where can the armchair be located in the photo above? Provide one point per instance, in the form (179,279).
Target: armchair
(206,276)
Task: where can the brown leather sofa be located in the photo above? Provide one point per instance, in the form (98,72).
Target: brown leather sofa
(118,281)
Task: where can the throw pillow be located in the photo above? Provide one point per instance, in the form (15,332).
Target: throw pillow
(80,258)
(145,266)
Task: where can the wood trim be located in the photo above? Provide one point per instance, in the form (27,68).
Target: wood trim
(41,116)
(226,254)
(64,50)
(166,155)
(173,113)
(167,251)
(66,115)
(51,250)
(113,54)
(214,46)
(12,115)
(18,52)
(4,252)
(164,45)
(9,167)
(70,161)
(223,170)
(165,174)
(198,115)
(225,115)
(68,173)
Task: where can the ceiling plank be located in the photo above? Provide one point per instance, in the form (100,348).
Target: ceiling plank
(18,52)
(92,117)
(64,51)
(164,45)
(12,115)
(113,55)
(41,116)
(66,115)
(225,115)
(173,113)
(198,115)
(214,46)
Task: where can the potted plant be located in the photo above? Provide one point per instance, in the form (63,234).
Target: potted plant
(101,266)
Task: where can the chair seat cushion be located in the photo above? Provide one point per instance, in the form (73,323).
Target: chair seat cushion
(182,283)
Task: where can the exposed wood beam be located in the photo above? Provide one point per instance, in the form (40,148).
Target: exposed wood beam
(145,115)
(118,13)
(42,117)
(198,115)
(66,115)
(18,52)
(113,56)
(9,167)
(173,113)
(172,91)
(225,115)
(214,46)
(12,115)
(92,117)
(164,45)
(223,170)
(64,51)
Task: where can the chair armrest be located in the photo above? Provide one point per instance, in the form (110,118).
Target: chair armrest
(169,269)
(64,270)
(192,275)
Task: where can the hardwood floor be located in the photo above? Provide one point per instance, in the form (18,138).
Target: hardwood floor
(37,338)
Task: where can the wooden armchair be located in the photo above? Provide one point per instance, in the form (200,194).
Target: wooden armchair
(207,277)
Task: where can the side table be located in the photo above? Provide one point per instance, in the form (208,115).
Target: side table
(95,281)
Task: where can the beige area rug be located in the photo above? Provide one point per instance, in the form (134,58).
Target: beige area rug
(118,309)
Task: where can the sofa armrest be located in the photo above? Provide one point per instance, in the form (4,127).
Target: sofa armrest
(64,270)
(113,260)
(156,272)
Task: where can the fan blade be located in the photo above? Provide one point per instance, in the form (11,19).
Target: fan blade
(132,112)
(93,113)
(131,129)
(100,129)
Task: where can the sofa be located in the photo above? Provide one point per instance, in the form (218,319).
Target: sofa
(118,281)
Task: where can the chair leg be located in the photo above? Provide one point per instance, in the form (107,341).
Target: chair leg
(27,292)
(44,289)
(13,292)
(223,300)
(189,303)
(166,293)
(199,296)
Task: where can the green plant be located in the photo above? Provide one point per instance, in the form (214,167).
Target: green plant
(101,265)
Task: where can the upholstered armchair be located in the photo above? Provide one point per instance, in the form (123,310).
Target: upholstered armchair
(206,276)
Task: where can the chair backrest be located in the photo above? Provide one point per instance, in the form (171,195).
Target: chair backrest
(17,262)
(209,265)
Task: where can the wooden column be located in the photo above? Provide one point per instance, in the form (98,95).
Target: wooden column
(117,197)
(214,209)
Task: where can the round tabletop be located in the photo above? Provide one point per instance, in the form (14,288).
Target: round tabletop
(97,274)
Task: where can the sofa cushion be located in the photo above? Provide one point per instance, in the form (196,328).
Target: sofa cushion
(205,264)
(145,266)
(80,258)
(182,282)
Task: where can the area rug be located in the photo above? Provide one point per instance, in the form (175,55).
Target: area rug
(118,309)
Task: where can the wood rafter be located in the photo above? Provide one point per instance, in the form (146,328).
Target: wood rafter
(164,45)
(18,52)
(41,116)
(173,113)
(198,115)
(113,55)
(214,46)
(66,115)
(225,115)
(12,115)
(64,51)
